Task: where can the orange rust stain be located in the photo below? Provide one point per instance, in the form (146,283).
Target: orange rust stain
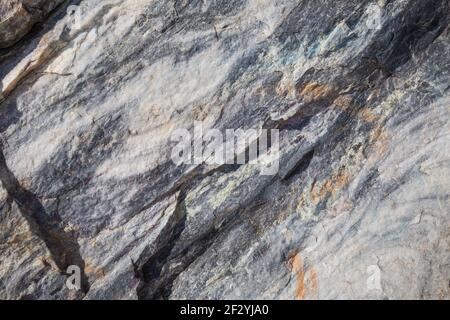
(367,115)
(338,181)
(314,282)
(314,91)
(296,264)
(92,270)
(380,138)
(306,282)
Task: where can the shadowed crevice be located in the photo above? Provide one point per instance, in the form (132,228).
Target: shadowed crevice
(63,246)
(153,280)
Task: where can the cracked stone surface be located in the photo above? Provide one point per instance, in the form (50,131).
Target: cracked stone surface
(17,17)
(91,92)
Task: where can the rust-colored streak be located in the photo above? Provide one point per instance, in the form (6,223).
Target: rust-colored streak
(94,271)
(312,92)
(314,282)
(306,281)
(367,115)
(297,267)
(300,274)
(339,180)
(381,139)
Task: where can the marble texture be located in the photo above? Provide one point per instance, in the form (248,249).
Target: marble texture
(89,99)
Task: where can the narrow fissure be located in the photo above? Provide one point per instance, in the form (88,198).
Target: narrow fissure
(63,245)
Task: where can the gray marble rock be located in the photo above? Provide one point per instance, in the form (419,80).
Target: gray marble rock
(359,208)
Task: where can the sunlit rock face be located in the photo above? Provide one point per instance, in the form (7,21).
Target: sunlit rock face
(92,92)
(17,17)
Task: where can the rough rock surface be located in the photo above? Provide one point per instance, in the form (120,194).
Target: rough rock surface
(17,17)
(359,90)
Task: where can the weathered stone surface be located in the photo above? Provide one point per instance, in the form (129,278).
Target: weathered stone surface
(358,89)
(17,17)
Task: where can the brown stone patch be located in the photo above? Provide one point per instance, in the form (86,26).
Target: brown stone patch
(91,270)
(306,284)
(312,92)
(14,24)
(19,238)
(380,138)
(367,115)
(343,102)
(296,263)
(199,113)
(17,17)
(45,50)
(338,181)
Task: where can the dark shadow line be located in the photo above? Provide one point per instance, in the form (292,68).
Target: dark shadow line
(63,246)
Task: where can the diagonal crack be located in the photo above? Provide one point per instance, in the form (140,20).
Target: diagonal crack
(153,279)
(63,245)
